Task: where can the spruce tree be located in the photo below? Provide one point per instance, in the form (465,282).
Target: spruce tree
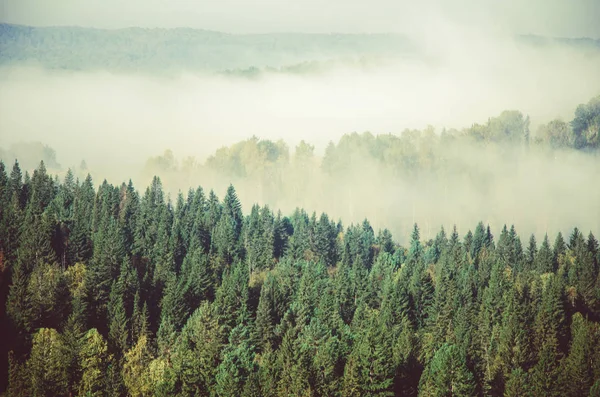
(46,365)
(447,374)
(94,360)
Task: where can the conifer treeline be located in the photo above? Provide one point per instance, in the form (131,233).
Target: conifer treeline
(113,293)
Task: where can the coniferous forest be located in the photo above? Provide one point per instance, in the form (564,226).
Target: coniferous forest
(111,291)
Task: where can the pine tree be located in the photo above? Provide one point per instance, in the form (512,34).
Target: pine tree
(73,338)
(325,241)
(576,372)
(35,246)
(48,295)
(582,272)
(264,325)
(197,281)
(323,353)
(422,293)
(559,249)
(237,368)
(12,226)
(545,257)
(229,228)
(197,352)
(281,233)
(447,374)
(293,367)
(550,320)
(46,365)
(94,360)
(118,334)
(370,368)
(140,320)
(79,248)
(479,240)
(135,368)
(517,384)
(232,298)
(103,269)
(18,382)
(128,211)
(544,375)
(514,345)
(531,254)
(15,183)
(416,250)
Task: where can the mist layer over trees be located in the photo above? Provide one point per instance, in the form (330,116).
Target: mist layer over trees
(113,292)
(541,179)
(496,171)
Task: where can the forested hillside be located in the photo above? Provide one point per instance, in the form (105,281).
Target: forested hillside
(184,49)
(113,292)
(196,50)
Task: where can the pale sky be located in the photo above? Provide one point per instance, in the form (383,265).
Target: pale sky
(567,18)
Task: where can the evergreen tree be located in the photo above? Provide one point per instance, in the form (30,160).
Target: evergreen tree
(79,248)
(232,298)
(479,241)
(118,334)
(517,384)
(447,374)
(544,375)
(559,249)
(111,294)
(370,368)
(135,368)
(265,315)
(94,360)
(18,378)
(103,269)
(576,373)
(531,253)
(19,304)
(550,320)
(46,366)
(236,373)
(545,257)
(228,229)
(48,296)
(197,352)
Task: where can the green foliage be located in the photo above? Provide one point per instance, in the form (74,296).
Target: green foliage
(370,367)
(136,371)
(576,372)
(586,125)
(46,367)
(94,360)
(195,299)
(447,374)
(236,373)
(118,331)
(517,384)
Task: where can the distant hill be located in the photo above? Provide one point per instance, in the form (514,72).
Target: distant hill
(137,49)
(584,43)
(196,50)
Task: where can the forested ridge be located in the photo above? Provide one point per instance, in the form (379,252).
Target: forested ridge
(174,50)
(112,292)
(160,50)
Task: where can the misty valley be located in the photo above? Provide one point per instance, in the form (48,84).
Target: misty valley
(188,212)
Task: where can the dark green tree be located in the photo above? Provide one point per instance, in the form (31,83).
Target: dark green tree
(447,374)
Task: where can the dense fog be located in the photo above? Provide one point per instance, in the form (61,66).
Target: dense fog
(105,97)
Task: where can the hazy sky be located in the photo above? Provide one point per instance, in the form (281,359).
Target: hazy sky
(570,18)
